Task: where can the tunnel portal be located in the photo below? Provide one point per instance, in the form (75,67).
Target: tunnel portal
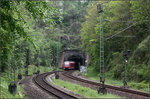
(77,59)
(73,55)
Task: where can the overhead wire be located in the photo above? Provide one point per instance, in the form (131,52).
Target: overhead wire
(116,21)
(110,37)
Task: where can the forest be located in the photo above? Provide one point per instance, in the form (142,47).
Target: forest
(42,29)
(36,32)
(134,17)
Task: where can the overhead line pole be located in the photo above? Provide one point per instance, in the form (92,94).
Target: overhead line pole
(149,53)
(102,88)
(149,60)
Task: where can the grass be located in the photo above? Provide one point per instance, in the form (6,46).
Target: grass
(142,86)
(6,80)
(83,91)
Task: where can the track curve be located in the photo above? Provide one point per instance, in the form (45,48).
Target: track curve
(40,81)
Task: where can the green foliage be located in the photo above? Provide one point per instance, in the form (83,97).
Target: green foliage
(73,15)
(140,55)
(4,90)
(7,77)
(117,16)
(14,25)
(139,86)
(140,11)
(139,62)
(43,29)
(88,33)
(90,40)
(92,75)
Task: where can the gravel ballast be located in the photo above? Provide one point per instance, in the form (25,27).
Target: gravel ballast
(31,91)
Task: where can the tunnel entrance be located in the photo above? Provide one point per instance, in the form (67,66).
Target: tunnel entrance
(77,59)
(77,56)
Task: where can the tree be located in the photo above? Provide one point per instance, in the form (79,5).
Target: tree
(13,23)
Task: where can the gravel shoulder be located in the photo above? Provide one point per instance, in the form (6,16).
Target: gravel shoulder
(31,91)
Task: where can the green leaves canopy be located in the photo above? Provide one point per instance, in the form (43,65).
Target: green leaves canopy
(13,23)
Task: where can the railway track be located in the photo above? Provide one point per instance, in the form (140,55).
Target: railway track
(40,81)
(129,93)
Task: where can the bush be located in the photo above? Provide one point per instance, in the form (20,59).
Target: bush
(141,85)
(140,55)
(139,72)
(116,65)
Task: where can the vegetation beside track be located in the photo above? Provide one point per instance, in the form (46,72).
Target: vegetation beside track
(6,80)
(4,89)
(86,92)
(39,31)
(110,80)
(118,38)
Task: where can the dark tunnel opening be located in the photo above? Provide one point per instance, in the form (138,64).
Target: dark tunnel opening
(78,61)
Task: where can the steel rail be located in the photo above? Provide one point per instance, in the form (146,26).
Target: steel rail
(40,81)
(130,91)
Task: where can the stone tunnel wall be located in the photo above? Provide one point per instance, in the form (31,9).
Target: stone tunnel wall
(67,54)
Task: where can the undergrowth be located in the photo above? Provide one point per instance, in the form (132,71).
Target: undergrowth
(143,86)
(8,77)
(83,91)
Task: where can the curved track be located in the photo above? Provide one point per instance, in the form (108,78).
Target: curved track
(129,93)
(40,81)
